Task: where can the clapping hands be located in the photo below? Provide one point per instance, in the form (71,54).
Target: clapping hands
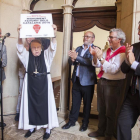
(129,54)
(96,52)
(73,54)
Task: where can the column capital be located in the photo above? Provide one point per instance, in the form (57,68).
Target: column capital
(67,9)
(118,2)
(26,11)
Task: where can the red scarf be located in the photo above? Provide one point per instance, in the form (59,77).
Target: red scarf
(108,56)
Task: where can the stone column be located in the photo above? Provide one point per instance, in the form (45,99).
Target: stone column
(67,7)
(119,6)
(26,6)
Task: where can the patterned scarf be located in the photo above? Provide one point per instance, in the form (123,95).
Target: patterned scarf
(108,56)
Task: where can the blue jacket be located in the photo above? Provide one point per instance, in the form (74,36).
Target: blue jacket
(87,74)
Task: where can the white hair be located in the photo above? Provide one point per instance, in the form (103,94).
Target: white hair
(120,34)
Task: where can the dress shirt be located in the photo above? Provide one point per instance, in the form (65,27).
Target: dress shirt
(82,54)
(134,66)
(112,69)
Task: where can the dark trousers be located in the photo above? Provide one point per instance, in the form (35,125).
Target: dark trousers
(108,92)
(128,116)
(79,92)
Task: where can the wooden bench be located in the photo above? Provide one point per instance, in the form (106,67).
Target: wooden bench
(54,79)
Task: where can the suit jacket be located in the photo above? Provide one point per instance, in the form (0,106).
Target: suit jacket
(87,75)
(129,72)
(4,61)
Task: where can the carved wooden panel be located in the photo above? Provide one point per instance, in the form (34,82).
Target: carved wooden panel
(102,17)
(86,18)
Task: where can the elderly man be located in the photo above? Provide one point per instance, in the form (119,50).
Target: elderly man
(37,103)
(84,79)
(131,106)
(110,83)
(21,74)
(3,53)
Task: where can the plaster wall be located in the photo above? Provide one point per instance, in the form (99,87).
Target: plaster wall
(100,37)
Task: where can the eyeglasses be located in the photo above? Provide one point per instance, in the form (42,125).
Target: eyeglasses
(111,37)
(88,37)
(36,48)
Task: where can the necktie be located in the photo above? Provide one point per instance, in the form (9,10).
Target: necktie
(134,79)
(133,86)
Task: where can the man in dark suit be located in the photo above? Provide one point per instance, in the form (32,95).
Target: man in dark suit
(131,105)
(83,78)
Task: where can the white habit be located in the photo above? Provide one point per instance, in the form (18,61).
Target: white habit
(23,55)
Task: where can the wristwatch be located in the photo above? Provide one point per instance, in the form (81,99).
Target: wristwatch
(101,59)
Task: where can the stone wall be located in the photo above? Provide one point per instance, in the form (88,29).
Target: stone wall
(9,19)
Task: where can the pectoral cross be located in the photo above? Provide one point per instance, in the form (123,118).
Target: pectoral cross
(36,72)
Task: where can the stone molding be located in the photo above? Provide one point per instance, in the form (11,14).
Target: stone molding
(26,11)
(67,9)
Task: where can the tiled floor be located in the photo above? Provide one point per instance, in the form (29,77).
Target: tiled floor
(12,133)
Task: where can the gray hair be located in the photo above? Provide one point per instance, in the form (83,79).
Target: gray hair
(120,34)
(93,35)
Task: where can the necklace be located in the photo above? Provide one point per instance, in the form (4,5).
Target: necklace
(36,64)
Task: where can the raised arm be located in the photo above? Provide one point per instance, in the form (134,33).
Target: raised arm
(22,53)
(126,66)
(19,39)
(51,51)
(133,64)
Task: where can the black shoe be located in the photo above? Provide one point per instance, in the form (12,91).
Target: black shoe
(83,127)
(95,134)
(3,124)
(46,136)
(115,135)
(29,133)
(68,125)
(17,117)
